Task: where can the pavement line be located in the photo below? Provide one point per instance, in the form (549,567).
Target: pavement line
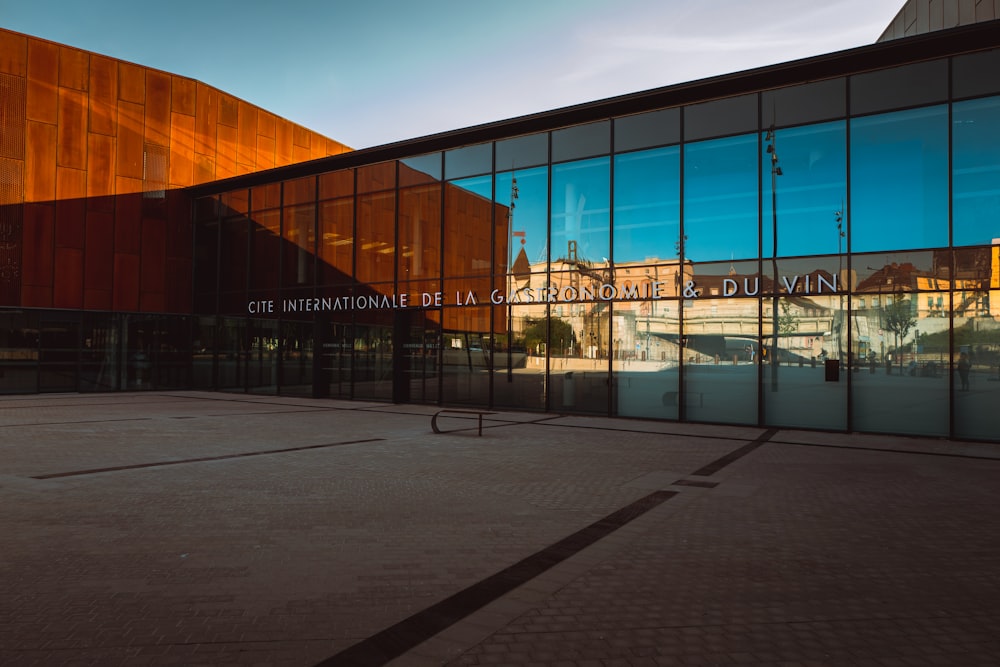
(987,455)
(94,471)
(397,639)
(692,482)
(720,463)
(73,423)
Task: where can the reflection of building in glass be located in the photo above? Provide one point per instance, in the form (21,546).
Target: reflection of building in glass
(634,257)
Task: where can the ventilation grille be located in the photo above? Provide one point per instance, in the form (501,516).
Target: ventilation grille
(11,215)
(12,123)
(154,171)
(11,182)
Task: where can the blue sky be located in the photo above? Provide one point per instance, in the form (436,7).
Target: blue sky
(373,72)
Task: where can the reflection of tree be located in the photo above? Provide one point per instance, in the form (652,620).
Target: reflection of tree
(899,320)
(788,322)
(536,336)
(984,344)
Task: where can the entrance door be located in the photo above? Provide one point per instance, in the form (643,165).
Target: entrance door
(58,352)
(415,363)
(373,347)
(334,347)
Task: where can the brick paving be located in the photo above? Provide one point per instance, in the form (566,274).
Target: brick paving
(190,528)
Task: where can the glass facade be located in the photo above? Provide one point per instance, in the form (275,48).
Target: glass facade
(822,256)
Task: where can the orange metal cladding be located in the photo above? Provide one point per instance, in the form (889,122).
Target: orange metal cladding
(92,151)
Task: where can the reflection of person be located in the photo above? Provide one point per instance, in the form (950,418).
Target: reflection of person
(963,370)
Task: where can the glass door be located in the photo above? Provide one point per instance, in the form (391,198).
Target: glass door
(373,362)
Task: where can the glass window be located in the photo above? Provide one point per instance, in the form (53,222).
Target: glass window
(720,198)
(232,351)
(19,338)
(715,388)
(235,201)
(296,359)
(206,264)
(468,161)
(808,188)
(580,378)
(975,357)
(418,362)
(375,177)
(817,278)
(419,248)
(581,141)
(336,184)
(336,240)
(206,208)
(976,171)
(656,128)
(300,191)
(419,170)
(58,351)
(299,233)
(334,342)
(899,180)
(647,205)
(375,246)
(887,273)
(262,357)
(646,357)
(976,269)
(372,360)
(797,391)
(266,196)
(526,195)
(975,74)
(720,117)
(233,270)
(521,152)
(808,103)
(469,227)
(581,211)
(518,372)
(900,352)
(265,245)
(899,87)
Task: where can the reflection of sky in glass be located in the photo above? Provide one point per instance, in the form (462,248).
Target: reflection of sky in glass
(811,189)
(976,175)
(899,180)
(479,185)
(720,198)
(427,164)
(581,209)
(530,210)
(647,204)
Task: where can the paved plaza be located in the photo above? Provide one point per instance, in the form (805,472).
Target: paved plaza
(192,528)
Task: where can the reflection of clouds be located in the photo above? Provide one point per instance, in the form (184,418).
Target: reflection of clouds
(558,57)
(716,37)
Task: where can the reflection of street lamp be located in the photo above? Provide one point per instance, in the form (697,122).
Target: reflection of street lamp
(647,336)
(838,216)
(775,172)
(510,275)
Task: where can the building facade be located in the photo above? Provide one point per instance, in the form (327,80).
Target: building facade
(810,245)
(95,230)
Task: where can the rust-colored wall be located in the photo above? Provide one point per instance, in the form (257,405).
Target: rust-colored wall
(92,151)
